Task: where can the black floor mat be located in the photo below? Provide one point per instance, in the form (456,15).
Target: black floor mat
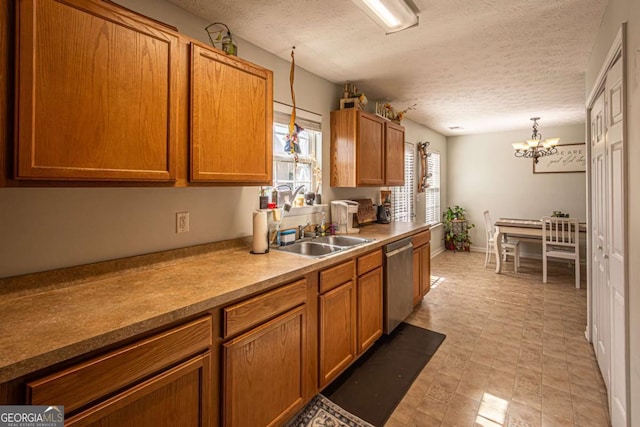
(374,385)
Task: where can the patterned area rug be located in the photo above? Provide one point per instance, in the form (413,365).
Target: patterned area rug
(321,412)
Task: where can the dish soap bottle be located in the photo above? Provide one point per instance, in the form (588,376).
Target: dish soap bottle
(322,227)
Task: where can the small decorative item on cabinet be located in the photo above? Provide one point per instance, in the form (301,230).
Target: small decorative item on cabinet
(226,42)
(351,98)
(456,229)
(388,112)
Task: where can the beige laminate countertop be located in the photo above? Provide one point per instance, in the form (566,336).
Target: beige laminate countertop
(46,318)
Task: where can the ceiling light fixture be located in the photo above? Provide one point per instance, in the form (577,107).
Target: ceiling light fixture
(535,147)
(391,15)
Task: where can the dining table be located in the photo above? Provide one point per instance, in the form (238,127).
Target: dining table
(530,229)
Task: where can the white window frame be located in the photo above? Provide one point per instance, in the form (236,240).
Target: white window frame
(433,194)
(314,160)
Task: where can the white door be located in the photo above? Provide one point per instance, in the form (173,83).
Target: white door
(615,248)
(600,293)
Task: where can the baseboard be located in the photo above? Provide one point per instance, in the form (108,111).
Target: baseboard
(437,251)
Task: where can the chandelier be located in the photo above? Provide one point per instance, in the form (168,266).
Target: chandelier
(535,147)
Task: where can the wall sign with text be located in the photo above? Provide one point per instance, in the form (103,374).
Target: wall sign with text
(569,158)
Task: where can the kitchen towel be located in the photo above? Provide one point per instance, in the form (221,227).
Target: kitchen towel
(260,243)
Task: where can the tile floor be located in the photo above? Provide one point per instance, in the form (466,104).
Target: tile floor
(515,353)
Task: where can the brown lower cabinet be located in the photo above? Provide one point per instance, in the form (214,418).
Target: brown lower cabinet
(350,313)
(421,265)
(264,367)
(264,372)
(369,300)
(337,324)
(164,380)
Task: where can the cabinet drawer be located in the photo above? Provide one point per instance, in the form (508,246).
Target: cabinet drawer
(101,376)
(370,261)
(421,238)
(246,314)
(183,389)
(335,276)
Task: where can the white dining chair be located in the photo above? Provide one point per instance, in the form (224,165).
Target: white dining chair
(509,247)
(561,239)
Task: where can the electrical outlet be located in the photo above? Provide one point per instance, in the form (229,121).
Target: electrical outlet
(182,222)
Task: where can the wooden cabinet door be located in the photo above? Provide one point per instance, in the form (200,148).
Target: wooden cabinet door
(96,94)
(231,119)
(394,154)
(425,268)
(417,276)
(343,148)
(369,308)
(337,331)
(370,150)
(180,396)
(263,372)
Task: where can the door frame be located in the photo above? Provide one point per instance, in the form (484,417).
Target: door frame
(617,51)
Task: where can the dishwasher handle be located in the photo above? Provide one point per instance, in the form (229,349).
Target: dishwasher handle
(399,250)
(391,247)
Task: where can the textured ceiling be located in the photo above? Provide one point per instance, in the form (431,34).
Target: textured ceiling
(483,65)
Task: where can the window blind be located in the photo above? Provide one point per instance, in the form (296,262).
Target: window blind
(432,193)
(402,197)
(305,119)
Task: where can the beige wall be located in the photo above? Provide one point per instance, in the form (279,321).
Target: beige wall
(619,11)
(48,228)
(484,174)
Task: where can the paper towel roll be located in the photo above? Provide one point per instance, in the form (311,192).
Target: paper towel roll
(260,244)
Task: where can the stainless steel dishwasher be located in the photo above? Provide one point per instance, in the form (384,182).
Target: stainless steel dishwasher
(398,283)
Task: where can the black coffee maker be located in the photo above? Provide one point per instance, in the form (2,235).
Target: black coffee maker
(383,215)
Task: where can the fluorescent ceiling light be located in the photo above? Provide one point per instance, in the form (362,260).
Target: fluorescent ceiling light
(392,15)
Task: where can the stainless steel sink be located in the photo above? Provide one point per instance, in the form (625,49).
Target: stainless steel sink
(324,246)
(343,241)
(311,249)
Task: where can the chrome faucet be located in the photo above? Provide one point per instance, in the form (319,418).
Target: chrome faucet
(288,205)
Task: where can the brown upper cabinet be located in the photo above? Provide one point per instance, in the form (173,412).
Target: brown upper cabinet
(366,150)
(231,119)
(394,154)
(105,94)
(96,94)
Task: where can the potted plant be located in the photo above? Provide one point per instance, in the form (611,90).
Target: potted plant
(456,229)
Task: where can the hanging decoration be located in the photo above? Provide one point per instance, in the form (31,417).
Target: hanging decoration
(292,146)
(424,174)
